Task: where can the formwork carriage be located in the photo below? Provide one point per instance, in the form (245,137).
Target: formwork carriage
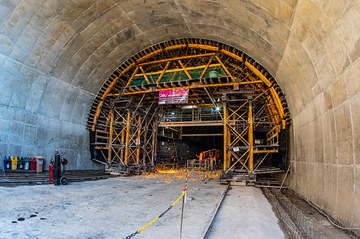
(226,90)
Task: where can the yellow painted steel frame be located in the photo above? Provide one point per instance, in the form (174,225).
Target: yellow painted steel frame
(111,132)
(251,137)
(138,139)
(200,62)
(129,141)
(226,164)
(127,138)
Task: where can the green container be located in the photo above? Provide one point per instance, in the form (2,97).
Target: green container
(26,163)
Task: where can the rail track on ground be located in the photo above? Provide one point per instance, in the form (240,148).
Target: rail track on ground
(210,225)
(12,179)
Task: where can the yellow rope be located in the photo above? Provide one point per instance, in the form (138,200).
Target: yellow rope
(157,218)
(177,200)
(148,225)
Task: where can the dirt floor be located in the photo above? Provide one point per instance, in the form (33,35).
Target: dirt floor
(117,207)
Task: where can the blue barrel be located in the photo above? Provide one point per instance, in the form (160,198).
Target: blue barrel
(7,163)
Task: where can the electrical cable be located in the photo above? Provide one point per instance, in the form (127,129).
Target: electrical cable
(328,218)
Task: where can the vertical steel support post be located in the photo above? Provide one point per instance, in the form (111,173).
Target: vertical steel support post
(138,138)
(111,132)
(251,135)
(225,155)
(127,137)
(145,140)
(154,140)
(123,140)
(228,144)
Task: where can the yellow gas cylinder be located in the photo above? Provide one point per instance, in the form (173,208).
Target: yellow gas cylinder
(14,161)
(11,162)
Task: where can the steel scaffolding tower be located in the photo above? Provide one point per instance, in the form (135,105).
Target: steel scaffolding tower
(251,107)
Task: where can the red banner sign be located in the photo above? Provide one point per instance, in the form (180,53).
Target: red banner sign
(176,96)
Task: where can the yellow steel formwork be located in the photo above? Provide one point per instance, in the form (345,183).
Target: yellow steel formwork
(250,99)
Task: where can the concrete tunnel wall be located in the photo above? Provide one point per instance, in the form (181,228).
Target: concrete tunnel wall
(55,55)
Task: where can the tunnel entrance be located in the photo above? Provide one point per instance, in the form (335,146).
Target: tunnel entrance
(173,100)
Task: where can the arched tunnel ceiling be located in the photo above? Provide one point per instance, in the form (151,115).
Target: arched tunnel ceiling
(67,37)
(82,42)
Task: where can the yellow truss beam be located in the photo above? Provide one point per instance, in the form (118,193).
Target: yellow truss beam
(132,76)
(204,47)
(178,69)
(277,102)
(163,72)
(103,97)
(144,75)
(176,59)
(232,55)
(225,68)
(149,55)
(258,74)
(169,48)
(206,68)
(184,69)
(192,86)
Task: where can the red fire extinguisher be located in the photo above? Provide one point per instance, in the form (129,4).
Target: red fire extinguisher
(51,173)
